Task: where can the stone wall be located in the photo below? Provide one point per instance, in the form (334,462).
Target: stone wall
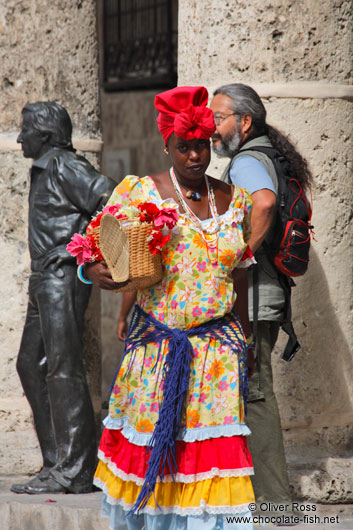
(290,52)
(43,56)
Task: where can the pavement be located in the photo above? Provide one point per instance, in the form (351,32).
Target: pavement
(82,512)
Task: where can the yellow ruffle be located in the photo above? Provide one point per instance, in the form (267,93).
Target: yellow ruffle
(217,491)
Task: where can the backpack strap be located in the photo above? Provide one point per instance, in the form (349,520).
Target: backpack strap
(292,345)
(255,293)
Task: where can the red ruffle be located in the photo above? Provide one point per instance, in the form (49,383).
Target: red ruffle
(192,458)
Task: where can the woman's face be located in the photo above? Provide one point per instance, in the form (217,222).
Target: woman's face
(190,158)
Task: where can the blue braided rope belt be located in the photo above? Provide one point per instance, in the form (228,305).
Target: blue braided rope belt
(145,329)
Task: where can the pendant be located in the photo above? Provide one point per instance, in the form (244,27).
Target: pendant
(193,195)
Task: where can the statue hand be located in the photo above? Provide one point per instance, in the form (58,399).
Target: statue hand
(56,256)
(99,274)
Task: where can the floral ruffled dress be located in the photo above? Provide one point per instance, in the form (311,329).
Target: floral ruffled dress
(212,483)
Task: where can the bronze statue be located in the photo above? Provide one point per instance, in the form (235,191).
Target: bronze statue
(65,191)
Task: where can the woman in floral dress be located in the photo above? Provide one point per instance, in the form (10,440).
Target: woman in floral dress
(173,454)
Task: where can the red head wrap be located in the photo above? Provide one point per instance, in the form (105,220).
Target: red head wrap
(183,110)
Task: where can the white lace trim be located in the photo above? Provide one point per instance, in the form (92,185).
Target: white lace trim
(233,215)
(179,477)
(186,435)
(200,510)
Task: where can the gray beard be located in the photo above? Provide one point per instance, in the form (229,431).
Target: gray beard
(229,145)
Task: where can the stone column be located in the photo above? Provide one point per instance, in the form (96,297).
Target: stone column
(48,51)
(297,55)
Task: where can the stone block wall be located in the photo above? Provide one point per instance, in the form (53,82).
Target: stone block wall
(48,51)
(298,56)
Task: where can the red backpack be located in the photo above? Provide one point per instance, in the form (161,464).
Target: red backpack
(292,229)
(288,248)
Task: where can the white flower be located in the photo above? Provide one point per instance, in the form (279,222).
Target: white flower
(212,283)
(187,266)
(172,320)
(187,295)
(219,403)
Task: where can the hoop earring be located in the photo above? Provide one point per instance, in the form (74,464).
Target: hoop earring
(165,150)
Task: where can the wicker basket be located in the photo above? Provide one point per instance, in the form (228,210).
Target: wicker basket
(126,253)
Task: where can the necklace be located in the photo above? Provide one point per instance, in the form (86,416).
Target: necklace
(189,213)
(193,195)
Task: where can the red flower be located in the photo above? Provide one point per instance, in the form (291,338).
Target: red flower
(148,212)
(95,222)
(157,241)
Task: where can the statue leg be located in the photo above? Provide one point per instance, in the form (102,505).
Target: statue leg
(32,370)
(62,303)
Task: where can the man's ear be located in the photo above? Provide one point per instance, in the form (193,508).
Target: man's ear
(246,123)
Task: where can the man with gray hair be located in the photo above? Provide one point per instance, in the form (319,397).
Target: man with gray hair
(65,191)
(240,118)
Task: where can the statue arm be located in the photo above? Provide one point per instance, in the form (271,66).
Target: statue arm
(84,186)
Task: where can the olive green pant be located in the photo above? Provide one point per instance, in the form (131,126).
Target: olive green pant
(270,481)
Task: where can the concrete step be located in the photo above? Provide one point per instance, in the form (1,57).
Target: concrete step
(48,512)
(82,512)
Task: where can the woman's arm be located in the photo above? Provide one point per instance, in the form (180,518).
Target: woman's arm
(129,299)
(241,308)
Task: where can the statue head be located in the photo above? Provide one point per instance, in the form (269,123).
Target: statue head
(45,124)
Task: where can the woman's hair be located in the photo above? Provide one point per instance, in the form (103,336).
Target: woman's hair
(51,118)
(246,101)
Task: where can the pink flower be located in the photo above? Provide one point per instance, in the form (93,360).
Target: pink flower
(116,389)
(154,407)
(180,248)
(143,408)
(148,361)
(173,304)
(196,353)
(211,300)
(112,209)
(81,248)
(160,305)
(153,395)
(196,312)
(228,420)
(201,265)
(208,377)
(210,313)
(166,216)
(223,386)
(202,397)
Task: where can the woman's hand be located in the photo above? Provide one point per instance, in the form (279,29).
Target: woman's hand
(99,274)
(122,328)
(128,301)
